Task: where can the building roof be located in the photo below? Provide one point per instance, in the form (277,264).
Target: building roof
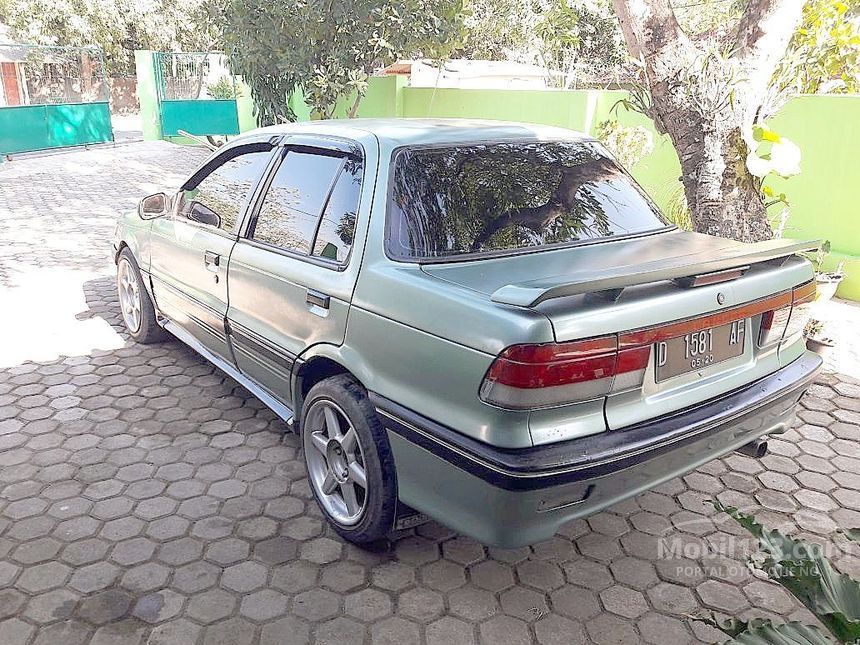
(398,132)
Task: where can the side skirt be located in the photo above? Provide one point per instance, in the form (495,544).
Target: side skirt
(271,402)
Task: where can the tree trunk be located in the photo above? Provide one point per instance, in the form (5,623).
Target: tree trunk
(706,104)
(723,197)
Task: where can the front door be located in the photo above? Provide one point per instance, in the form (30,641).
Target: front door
(290,285)
(190,249)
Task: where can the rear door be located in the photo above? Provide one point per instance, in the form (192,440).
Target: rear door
(190,249)
(293,269)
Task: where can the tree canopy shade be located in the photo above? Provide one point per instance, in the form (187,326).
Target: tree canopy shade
(329,48)
(117,26)
(574,41)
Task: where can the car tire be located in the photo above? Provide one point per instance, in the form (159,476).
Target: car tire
(338,461)
(136,308)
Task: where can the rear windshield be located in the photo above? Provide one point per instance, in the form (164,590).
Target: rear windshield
(503,197)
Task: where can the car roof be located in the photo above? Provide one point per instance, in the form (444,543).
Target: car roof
(400,132)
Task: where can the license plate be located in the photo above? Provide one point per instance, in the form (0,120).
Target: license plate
(699,349)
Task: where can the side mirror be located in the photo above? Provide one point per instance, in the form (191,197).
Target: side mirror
(204,215)
(153,206)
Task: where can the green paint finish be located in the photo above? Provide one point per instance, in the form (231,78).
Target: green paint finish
(147,94)
(823,202)
(548,107)
(77,124)
(39,127)
(850,287)
(200,117)
(827,129)
(23,128)
(384,98)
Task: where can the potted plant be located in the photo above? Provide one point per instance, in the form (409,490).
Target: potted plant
(827,281)
(816,341)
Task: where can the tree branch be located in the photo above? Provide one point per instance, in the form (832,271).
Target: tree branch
(648,26)
(765,29)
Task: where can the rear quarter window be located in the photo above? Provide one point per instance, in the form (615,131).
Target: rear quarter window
(456,201)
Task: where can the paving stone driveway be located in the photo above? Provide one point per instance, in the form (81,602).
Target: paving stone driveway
(147,498)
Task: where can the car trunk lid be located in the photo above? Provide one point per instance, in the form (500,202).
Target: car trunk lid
(666,294)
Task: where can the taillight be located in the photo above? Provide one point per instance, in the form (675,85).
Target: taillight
(535,376)
(773,325)
(802,298)
(786,323)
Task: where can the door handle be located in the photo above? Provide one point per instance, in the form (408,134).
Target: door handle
(212,261)
(318,299)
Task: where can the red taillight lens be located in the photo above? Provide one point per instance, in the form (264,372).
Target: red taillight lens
(533,376)
(773,325)
(786,323)
(801,306)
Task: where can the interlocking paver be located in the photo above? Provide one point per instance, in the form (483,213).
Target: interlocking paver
(105,606)
(145,498)
(367,604)
(449,630)
(472,603)
(211,605)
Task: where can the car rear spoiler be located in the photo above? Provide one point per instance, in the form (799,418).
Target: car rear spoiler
(614,279)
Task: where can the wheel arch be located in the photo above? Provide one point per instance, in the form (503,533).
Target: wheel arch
(133,233)
(320,362)
(119,248)
(144,274)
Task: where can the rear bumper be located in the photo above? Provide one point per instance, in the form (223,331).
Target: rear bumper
(516,497)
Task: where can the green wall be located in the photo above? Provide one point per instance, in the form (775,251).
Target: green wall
(823,203)
(39,127)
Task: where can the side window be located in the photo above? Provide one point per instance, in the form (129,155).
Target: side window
(337,227)
(291,208)
(218,198)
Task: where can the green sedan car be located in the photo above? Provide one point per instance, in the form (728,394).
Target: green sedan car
(486,323)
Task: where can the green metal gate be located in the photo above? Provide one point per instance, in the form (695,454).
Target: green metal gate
(52,97)
(196,94)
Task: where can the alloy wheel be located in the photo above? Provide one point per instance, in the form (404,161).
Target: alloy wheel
(128,288)
(335,461)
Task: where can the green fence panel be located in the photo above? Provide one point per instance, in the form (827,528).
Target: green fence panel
(23,128)
(38,127)
(200,117)
(75,124)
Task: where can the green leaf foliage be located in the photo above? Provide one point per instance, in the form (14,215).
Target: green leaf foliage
(851,534)
(223,89)
(762,133)
(824,54)
(803,570)
(786,634)
(329,49)
(759,631)
(117,26)
(576,42)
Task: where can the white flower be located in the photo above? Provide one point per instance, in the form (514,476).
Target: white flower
(757,166)
(785,158)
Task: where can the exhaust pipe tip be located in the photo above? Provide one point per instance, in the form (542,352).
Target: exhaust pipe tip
(756,449)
